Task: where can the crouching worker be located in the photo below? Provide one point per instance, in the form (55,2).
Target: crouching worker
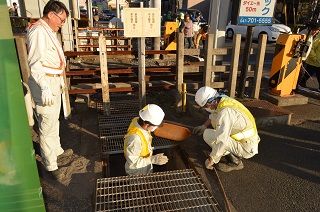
(234,135)
(138,140)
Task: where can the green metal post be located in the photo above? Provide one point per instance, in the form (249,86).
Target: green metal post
(20,188)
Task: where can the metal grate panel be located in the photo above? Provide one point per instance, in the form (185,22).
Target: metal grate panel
(114,145)
(120,107)
(116,120)
(122,104)
(113,131)
(180,190)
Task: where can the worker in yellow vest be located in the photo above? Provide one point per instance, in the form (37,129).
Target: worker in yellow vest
(234,134)
(137,142)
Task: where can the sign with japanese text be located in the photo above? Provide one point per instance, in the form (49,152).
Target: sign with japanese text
(142,22)
(256,12)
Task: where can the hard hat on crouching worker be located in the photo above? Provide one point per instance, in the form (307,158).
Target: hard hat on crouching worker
(152,113)
(205,95)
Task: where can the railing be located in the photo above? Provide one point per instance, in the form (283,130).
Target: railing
(86,39)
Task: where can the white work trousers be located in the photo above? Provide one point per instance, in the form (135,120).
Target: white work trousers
(245,149)
(48,122)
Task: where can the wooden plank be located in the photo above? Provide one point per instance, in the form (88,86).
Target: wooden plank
(191,51)
(208,60)
(218,69)
(234,65)
(65,95)
(191,69)
(179,71)
(260,60)
(148,52)
(218,84)
(104,75)
(142,71)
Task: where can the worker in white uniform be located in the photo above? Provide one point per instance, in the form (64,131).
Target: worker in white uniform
(234,134)
(137,142)
(47,63)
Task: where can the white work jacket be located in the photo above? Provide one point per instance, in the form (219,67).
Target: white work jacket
(136,164)
(45,54)
(229,121)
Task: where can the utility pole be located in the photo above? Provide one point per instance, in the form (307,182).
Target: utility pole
(218,18)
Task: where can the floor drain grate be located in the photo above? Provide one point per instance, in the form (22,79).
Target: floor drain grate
(180,190)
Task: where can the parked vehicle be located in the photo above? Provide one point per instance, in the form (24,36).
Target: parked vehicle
(107,15)
(273,31)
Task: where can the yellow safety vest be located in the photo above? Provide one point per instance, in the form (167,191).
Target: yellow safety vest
(249,131)
(145,153)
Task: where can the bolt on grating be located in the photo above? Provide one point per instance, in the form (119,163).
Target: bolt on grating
(180,190)
(116,120)
(114,145)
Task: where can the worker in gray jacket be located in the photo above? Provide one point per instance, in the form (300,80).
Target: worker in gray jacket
(187,30)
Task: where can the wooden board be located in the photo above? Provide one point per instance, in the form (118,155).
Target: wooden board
(172,132)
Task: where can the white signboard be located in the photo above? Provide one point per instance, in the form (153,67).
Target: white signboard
(256,12)
(141,22)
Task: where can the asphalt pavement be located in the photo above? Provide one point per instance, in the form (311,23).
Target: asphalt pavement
(284,176)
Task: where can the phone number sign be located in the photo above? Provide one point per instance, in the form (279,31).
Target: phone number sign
(256,12)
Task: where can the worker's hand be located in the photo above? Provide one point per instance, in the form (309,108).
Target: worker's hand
(209,163)
(159,159)
(46,97)
(62,84)
(199,129)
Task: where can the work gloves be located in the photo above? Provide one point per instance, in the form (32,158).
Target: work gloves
(46,97)
(209,164)
(159,159)
(199,129)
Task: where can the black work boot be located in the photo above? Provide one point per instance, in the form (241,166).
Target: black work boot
(234,163)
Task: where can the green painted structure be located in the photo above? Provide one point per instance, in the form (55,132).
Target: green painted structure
(20,188)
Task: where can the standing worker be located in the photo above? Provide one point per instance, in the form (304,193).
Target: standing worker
(312,63)
(196,26)
(137,142)
(47,63)
(234,135)
(202,35)
(187,29)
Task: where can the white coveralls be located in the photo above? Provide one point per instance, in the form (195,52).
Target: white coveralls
(45,50)
(136,164)
(229,121)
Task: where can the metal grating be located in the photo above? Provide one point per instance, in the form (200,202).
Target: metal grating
(116,120)
(122,104)
(120,107)
(180,190)
(114,145)
(113,131)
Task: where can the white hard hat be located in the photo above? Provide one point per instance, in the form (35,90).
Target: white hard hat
(204,94)
(209,136)
(152,113)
